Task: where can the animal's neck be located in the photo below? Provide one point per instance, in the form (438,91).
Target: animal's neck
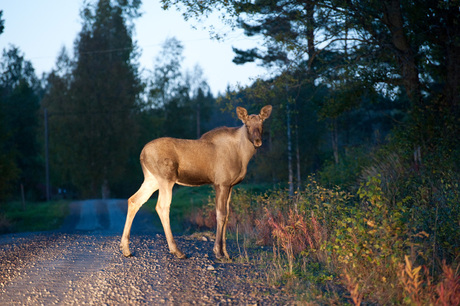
(247,148)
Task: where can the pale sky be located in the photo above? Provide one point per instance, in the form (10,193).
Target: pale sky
(40,28)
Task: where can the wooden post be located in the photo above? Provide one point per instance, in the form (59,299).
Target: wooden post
(23,197)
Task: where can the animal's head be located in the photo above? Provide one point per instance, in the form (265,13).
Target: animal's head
(254,123)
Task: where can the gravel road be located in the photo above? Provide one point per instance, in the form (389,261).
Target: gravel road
(82,264)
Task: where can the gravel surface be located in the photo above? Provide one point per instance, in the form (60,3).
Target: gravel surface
(82,264)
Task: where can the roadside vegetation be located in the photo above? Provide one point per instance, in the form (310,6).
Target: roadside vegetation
(32,216)
(390,239)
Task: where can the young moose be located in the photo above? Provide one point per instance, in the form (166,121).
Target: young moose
(220,157)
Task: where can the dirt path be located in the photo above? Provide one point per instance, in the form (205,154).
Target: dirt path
(82,264)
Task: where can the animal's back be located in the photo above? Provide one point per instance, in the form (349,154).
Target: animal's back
(184,161)
(183,149)
(219,133)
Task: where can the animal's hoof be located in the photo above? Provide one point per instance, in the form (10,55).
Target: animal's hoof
(223,259)
(126,252)
(179,254)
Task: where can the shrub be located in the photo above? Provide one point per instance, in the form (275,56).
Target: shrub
(369,242)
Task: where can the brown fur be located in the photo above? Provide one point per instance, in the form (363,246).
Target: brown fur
(220,157)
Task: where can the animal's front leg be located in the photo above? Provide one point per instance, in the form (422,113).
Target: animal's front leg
(222,210)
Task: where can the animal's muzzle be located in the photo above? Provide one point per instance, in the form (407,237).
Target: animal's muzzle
(256,138)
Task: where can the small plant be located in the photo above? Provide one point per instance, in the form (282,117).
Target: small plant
(353,288)
(419,288)
(287,235)
(412,282)
(447,292)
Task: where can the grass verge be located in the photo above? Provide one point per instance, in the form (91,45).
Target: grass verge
(33,216)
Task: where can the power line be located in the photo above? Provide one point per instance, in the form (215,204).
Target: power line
(235,38)
(78,113)
(121,49)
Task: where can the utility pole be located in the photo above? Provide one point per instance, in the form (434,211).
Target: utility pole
(47,162)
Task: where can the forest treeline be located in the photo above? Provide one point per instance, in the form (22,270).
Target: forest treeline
(359,171)
(358,88)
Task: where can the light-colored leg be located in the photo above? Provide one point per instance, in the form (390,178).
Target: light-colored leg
(222,208)
(162,208)
(148,187)
(224,233)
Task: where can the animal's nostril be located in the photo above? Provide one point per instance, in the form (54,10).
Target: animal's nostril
(257,143)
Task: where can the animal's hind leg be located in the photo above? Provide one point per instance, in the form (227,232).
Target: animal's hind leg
(148,187)
(162,208)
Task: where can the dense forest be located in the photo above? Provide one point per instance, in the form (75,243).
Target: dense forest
(79,129)
(357,85)
(361,152)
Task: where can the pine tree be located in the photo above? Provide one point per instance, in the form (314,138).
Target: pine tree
(97,130)
(19,105)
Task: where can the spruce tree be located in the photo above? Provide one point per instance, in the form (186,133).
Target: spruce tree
(98,129)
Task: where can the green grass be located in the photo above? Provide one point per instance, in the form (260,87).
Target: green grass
(35,216)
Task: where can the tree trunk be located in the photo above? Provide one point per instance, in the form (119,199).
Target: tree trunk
(297,149)
(310,31)
(289,138)
(403,51)
(335,141)
(198,120)
(270,149)
(408,68)
(452,88)
(298,159)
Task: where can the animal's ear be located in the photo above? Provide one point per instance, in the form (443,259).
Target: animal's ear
(242,113)
(265,112)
